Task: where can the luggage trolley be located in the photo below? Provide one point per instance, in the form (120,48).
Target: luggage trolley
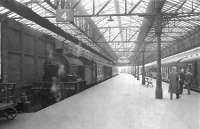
(7,104)
(149,82)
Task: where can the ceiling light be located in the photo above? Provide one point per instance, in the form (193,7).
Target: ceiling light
(110,19)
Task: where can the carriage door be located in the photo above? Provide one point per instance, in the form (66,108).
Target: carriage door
(198,74)
(195,74)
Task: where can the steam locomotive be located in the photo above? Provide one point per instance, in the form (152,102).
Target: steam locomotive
(29,58)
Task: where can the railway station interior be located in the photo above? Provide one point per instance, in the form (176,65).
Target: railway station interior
(99,64)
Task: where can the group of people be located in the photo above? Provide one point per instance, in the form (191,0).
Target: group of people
(179,80)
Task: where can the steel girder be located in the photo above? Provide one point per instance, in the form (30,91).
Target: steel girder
(154,7)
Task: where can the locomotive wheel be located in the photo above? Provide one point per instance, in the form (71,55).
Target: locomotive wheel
(10,113)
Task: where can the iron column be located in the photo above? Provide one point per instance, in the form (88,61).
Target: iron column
(138,71)
(135,70)
(143,68)
(158,32)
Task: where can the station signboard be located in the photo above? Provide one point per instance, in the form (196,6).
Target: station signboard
(64,12)
(64,15)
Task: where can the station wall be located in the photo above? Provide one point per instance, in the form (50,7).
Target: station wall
(23,54)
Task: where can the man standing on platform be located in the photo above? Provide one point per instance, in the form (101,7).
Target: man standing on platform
(188,80)
(174,83)
(181,79)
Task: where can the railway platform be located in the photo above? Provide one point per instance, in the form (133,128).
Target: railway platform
(118,103)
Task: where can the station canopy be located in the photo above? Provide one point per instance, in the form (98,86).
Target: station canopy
(117,23)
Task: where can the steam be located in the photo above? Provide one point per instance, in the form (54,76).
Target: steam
(50,56)
(61,70)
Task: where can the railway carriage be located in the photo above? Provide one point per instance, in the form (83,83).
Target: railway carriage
(186,59)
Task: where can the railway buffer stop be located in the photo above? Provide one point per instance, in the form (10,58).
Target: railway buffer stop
(59,54)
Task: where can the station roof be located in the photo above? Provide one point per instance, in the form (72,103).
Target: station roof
(120,22)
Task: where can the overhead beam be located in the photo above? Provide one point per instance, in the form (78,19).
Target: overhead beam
(32,16)
(32,2)
(117,35)
(169,8)
(182,14)
(132,35)
(103,7)
(45,8)
(186,14)
(76,4)
(116,27)
(135,51)
(179,7)
(178,32)
(51,4)
(135,7)
(148,42)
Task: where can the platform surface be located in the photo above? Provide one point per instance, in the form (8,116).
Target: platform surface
(118,103)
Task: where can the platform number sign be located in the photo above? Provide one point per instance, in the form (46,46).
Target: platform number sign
(64,12)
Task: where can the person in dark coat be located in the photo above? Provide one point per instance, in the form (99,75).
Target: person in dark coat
(173,83)
(188,80)
(181,79)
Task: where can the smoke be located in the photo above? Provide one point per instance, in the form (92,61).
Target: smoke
(56,61)
(50,54)
(61,70)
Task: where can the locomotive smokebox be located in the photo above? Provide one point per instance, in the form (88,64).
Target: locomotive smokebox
(55,65)
(50,67)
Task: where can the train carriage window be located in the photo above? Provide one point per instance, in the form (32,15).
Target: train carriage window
(189,66)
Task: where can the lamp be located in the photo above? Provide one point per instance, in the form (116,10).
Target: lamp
(110,19)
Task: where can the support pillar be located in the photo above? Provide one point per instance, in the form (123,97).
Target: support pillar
(135,72)
(138,70)
(143,69)
(158,32)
